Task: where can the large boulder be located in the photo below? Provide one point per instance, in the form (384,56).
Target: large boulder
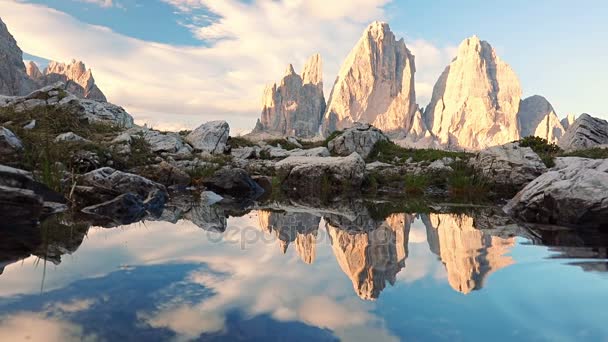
(158,141)
(318,174)
(10,144)
(234,182)
(509,164)
(105,184)
(361,138)
(574,192)
(585,132)
(210,137)
(19,205)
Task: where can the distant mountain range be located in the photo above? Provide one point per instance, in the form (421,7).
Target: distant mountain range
(476,102)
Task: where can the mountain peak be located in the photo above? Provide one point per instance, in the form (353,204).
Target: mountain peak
(313,71)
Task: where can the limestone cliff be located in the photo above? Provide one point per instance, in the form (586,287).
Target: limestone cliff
(586,132)
(295,106)
(13,78)
(476,99)
(375,84)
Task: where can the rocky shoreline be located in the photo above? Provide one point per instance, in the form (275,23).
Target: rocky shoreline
(102,165)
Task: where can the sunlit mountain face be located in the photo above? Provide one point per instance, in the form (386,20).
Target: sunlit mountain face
(292,271)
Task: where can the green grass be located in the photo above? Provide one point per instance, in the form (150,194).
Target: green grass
(592,153)
(464,181)
(236,142)
(389,152)
(283,142)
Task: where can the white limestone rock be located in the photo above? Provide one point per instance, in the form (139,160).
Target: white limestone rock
(296,105)
(574,192)
(9,142)
(585,132)
(375,84)
(537,117)
(475,100)
(361,138)
(70,137)
(210,137)
(311,152)
(159,142)
(509,164)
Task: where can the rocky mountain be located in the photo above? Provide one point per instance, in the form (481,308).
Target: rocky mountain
(537,117)
(375,85)
(13,78)
(568,121)
(475,100)
(76,77)
(469,255)
(585,132)
(296,105)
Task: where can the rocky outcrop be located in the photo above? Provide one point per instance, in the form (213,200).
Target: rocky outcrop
(55,96)
(476,99)
(375,84)
(574,192)
(314,175)
(10,144)
(13,78)
(159,142)
(77,79)
(233,182)
(469,254)
(568,121)
(537,117)
(372,259)
(210,137)
(296,105)
(585,132)
(361,138)
(509,164)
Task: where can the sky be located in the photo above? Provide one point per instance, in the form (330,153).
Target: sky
(175,64)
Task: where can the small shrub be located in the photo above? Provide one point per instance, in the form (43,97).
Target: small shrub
(465,181)
(545,150)
(389,152)
(331,137)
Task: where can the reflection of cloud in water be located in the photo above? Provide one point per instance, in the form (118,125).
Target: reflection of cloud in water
(29,326)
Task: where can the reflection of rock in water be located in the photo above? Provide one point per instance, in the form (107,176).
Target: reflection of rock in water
(289,227)
(468,254)
(370,258)
(580,243)
(17,242)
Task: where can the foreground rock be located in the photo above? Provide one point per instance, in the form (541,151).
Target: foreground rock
(296,105)
(375,84)
(585,132)
(509,164)
(361,138)
(320,174)
(210,137)
(233,182)
(159,142)
(10,144)
(55,96)
(574,192)
(475,100)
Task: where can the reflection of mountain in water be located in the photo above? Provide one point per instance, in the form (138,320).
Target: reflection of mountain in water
(469,254)
(372,258)
(300,228)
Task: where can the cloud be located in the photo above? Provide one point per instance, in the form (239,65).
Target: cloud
(184,86)
(102,3)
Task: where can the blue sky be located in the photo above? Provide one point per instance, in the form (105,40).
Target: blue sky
(218,55)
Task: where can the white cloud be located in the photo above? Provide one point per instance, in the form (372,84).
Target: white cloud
(101,3)
(182,86)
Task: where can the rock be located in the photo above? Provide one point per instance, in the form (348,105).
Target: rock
(77,78)
(159,142)
(243,152)
(537,117)
(361,138)
(318,174)
(124,209)
(374,166)
(30,125)
(166,174)
(86,161)
(13,78)
(574,192)
(568,121)
(19,205)
(104,184)
(210,197)
(375,84)
(208,217)
(475,100)
(210,137)
(296,106)
(441,165)
(585,132)
(311,152)
(70,137)
(233,182)
(509,164)
(10,144)
(294,141)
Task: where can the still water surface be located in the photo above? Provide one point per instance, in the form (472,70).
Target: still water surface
(301,276)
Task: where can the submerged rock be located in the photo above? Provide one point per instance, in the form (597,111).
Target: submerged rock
(210,137)
(574,192)
(509,164)
(360,138)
